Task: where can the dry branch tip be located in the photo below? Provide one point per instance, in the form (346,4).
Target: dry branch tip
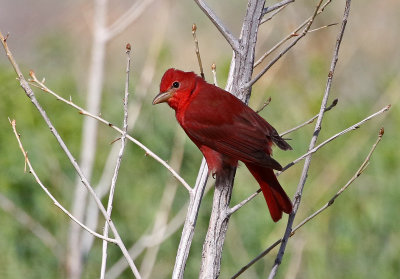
(266,103)
(32,74)
(114,141)
(6,37)
(381,132)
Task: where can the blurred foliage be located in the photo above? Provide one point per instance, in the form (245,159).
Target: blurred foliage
(358,237)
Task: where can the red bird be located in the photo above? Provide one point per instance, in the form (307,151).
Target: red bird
(226,131)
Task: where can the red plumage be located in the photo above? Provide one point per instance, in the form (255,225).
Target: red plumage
(226,131)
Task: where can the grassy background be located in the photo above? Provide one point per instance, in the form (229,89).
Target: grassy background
(358,237)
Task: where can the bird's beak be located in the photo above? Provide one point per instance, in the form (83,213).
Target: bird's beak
(162,97)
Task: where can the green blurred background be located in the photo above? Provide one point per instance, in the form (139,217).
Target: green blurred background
(358,237)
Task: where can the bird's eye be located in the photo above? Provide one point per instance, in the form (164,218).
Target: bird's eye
(175,84)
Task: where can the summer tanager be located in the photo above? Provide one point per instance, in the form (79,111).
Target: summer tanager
(226,131)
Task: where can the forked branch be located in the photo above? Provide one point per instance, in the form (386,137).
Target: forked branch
(360,171)
(231,39)
(313,141)
(313,150)
(44,188)
(34,81)
(31,95)
(307,25)
(276,6)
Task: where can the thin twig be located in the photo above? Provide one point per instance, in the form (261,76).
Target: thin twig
(148,241)
(135,106)
(214,72)
(82,111)
(363,166)
(231,39)
(196,47)
(56,203)
(293,34)
(264,20)
(276,6)
(156,238)
(266,103)
(119,159)
(31,95)
(191,219)
(309,121)
(319,211)
(311,151)
(351,128)
(313,141)
(323,27)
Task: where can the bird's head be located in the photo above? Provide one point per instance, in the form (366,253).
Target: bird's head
(176,87)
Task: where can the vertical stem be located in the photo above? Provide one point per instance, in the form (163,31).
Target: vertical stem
(240,73)
(214,242)
(191,218)
(118,164)
(313,141)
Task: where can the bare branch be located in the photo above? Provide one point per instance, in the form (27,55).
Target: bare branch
(232,40)
(56,203)
(323,208)
(307,24)
(323,27)
(266,103)
(191,218)
(311,151)
(276,6)
(119,159)
(313,141)
(153,239)
(31,95)
(311,120)
(351,128)
(196,46)
(214,72)
(119,130)
(264,20)
(135,106)
(148,241)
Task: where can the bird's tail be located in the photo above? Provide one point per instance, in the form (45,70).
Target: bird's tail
(274,195)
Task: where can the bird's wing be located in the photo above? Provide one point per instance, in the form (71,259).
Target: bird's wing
(223,123)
